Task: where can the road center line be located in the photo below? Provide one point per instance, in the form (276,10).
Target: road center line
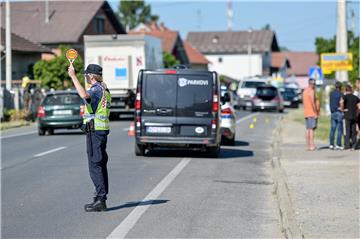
(129,222)
(246,117)
(49,151)
(16,135)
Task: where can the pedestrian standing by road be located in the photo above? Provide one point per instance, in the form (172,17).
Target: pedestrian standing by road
(350,105)
(310,113)
(357,93)
(336,117)
(96,125)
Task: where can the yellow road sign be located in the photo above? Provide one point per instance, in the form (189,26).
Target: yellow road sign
(336,62)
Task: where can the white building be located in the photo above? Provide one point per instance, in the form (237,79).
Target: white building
(237,54)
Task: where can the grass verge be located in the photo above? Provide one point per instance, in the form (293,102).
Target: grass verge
(323,130)
(14,124)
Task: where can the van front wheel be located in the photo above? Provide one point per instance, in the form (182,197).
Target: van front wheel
(139,149)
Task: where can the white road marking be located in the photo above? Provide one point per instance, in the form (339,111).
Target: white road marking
(125,129)
(129,222)
(49,151)
(246,117)
(340,163)
(16,135)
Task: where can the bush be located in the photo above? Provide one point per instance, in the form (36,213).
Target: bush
(54,73)
(15,115)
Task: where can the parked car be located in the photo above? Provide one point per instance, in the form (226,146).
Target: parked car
(228,119)
(291,98)
(177,108)
(267,97)
(246,90)
(60,110)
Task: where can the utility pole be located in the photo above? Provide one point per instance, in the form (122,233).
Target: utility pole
(8,46)
(198,13)
(230,16)
(46,11)
(341,37)
(249,51)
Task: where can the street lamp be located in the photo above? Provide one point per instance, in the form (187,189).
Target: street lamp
(249,50)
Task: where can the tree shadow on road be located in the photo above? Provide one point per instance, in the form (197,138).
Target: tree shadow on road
(135,204)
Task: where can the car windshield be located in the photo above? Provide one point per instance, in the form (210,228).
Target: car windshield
(63,99)
(266,91)
(252,84)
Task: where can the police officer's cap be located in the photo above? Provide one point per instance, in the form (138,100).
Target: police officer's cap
(93,69)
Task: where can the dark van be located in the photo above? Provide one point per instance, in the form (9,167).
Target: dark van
(177,108)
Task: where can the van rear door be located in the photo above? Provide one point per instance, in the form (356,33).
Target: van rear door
(194,104)
(159,104)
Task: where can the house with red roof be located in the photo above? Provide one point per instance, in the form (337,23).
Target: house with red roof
(171,40)
(294,65)
(66,22)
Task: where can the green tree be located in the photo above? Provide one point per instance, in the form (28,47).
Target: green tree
(169,60)
(329,45)
(266,27)
(54,73)
(132,13)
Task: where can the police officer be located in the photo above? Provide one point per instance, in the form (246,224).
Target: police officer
(96,125)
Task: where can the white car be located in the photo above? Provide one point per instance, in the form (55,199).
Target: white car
(228,119)
(247,89)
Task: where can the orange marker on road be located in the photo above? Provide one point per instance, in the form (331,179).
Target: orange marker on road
(131,131)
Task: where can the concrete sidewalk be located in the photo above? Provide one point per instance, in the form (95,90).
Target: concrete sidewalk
(323,185)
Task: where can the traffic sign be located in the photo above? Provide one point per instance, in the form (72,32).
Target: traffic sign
(336,62)
(71,55)
(316,73)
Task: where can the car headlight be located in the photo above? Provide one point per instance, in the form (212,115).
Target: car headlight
(242,95)
(296,98)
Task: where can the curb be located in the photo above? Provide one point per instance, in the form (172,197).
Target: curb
(289,225)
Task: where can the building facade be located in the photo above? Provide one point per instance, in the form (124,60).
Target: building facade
(237,54)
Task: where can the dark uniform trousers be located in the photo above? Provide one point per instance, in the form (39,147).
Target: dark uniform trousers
(98,158)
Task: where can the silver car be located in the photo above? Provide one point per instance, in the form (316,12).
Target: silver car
(267,97)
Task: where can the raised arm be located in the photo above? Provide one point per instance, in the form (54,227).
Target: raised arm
(80,89)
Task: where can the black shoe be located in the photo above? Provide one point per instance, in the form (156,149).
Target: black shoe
(89,204)
(96,206)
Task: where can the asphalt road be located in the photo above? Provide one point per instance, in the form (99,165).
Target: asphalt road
(169,194)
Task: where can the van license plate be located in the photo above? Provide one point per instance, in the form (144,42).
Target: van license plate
(62,112)
(159,130)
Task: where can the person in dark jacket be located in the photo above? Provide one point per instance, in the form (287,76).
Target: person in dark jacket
(336,117)
(350,105)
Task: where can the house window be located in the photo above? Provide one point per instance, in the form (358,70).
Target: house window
(220,60)
(99,24)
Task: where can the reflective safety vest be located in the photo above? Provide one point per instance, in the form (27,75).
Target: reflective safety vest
(101,116)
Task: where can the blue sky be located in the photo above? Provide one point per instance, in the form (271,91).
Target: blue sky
(296,23)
